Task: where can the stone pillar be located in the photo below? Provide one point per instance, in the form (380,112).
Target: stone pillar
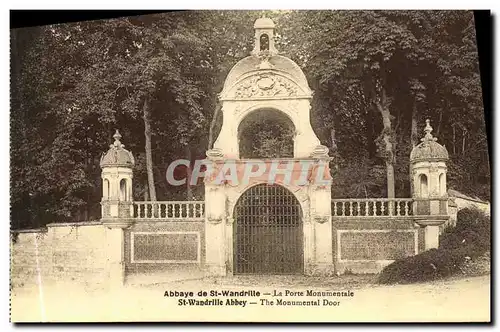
(323,244)
(115,252)
(322,230)
(309,243)
(431,237)
(321,218)
(215,248)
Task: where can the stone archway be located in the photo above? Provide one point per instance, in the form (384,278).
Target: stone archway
(295,108)
(267,81)
(268,232)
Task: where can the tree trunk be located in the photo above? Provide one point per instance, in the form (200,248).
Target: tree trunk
(146,192)
(414,124)
(369,119)
(189,190)
(439,122)
(333,142)
(149,156)
(454,140)
(212,125)
(464,134)
(383,108)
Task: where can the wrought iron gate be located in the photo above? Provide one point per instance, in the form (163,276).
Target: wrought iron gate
(268,232)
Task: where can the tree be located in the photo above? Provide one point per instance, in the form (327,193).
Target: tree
(403,65)
(377,75)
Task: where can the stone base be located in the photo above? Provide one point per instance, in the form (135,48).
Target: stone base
(320,270)
(116,281)
(212,270)
(361,267)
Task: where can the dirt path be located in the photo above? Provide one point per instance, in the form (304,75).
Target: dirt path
(465,299)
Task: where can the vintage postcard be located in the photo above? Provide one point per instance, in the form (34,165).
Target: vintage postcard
(250,166)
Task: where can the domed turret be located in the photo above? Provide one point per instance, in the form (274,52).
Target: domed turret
(117,175)
(429,149)
(117,155)
(428,173)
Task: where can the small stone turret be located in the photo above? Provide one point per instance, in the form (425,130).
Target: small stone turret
(428,176)
(117,165)
(428,172)
(264,37)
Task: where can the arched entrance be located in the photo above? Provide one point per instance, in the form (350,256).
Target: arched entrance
(266,133)
(268,232)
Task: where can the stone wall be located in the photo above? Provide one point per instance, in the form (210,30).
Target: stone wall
(463,203)
(458,201)
(79,252)
(367,245)
(176,249)
(165,246)
(61,252)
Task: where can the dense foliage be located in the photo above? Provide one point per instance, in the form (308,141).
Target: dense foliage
(469,240)
(377,75)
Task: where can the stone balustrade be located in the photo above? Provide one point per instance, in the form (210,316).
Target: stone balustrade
(372,207)
(170,210)
(352,207)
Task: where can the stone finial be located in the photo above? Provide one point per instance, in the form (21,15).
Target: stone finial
(117,137)
(428,130)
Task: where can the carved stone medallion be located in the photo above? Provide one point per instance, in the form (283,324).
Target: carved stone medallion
(266,85)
